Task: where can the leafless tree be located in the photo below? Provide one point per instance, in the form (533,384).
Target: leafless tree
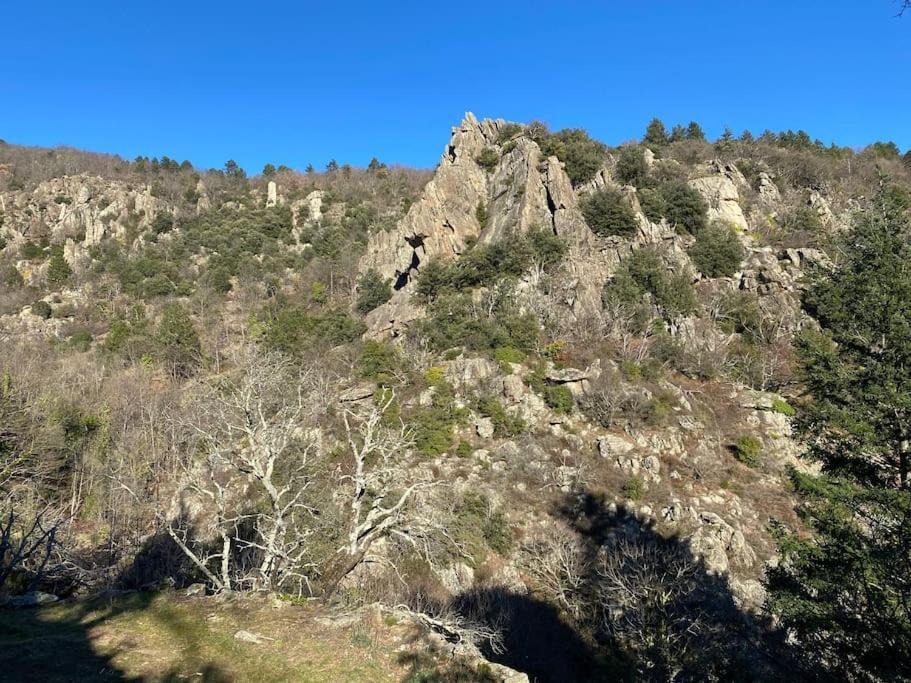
(259,436)
(651,596)
(26,543)
(560,565)
(378,490)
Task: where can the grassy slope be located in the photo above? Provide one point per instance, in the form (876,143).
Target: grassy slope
(168,638)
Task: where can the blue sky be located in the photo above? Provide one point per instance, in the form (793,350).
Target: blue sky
(299,82)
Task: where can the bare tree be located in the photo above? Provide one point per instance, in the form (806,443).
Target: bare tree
(377,498)
(651,595)
(560,564)
(25,544)
(260,440)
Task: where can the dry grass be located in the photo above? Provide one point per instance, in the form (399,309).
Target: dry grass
(167,637)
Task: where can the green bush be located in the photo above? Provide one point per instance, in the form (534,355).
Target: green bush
(779,405)
(581,155)
(379,361)
(505,355)
(634,488)
(717,251)
(454,319)
(504,423)
(631,168)
(488,159)
(485,264)
(497,533)
(10,276)
(508,132)
(559,398)
(653,205)
(163,222)
(372,291)
(607,213)
(475,525)
(685,208)
(31,251)
(644,272)
(177,342)
(433,427)
(293,330)
(81,340)
(42,309)
(748,450)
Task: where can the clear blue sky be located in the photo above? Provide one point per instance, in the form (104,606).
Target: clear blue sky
(298,82)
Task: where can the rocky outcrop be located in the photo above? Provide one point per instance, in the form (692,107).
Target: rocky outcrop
(83,208)
(719,190)
(523,191)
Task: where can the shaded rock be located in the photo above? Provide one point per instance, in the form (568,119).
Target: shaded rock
(32,599)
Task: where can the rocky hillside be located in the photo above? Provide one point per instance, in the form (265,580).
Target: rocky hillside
(508,400)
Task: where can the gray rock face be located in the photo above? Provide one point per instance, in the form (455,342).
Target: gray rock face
(83,208)
(271,194)
(524,190)
(719,190)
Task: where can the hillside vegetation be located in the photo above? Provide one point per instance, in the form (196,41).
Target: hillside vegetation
(555,409)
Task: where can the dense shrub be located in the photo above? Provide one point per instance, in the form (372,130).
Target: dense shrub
(559,398)
(488,159)
(31,251)
(455,320)
(634,487)
(782,407)
(505,424)
(42,309)
(748,450)
(294,330)
(717,251)
(433,427)
(163,222)
(508,132)
(631,168)
(177,342)
(379,361)
(607,213)
(644,272)
(684,207)
(58,270)
(581,155)
(485,264)
(372,291)
(652,203)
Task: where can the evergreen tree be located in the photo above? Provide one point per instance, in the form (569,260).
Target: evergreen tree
(655,133)
(58,270)
(268,170)
(678,133)
(177,341)
(845,592)
(694,132)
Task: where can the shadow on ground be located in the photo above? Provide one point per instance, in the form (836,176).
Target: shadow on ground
(678,622)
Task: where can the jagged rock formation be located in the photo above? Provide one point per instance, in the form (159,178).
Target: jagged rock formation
(525,190)
(80,209)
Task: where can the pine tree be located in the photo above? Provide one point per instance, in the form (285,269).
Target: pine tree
(177,341)
(655,134)
(845,592)
(58,270)
(694,132)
